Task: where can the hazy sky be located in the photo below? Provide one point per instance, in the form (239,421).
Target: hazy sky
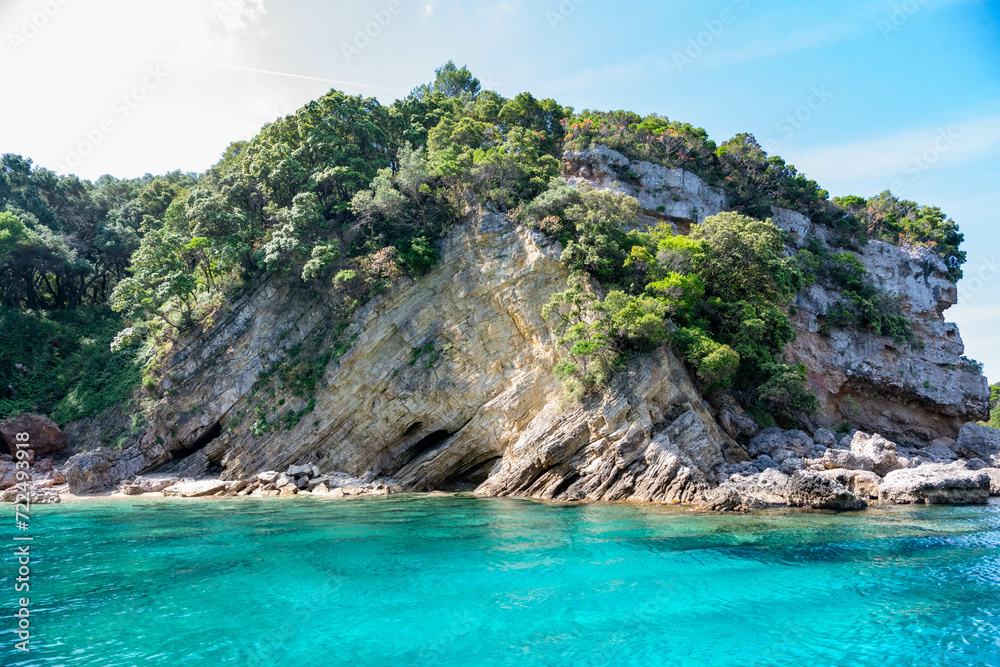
(862,95)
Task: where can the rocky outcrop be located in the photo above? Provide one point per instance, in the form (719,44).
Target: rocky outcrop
(862,483)
(936,484)
(797,225)
(44,435)
(673,195)
(484,410)
(103,468)
(447,383)
(809,489)
(979,442)
(994,474)
(151,484)
(650,439)
(912,393)
(876,449)
(195,489)
(772,488)
(872,469)
(744,492)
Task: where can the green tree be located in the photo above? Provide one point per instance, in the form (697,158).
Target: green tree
(450,81)
(162,283)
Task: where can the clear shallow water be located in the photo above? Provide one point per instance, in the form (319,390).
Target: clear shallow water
(456,581)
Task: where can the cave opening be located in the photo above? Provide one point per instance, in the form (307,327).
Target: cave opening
(426,444)
(210,434)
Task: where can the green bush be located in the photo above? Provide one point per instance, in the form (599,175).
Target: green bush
(60,363)
(718,296)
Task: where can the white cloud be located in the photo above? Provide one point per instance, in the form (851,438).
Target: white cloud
(903,157)
(216,82)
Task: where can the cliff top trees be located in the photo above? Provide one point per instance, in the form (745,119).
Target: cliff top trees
(348,195)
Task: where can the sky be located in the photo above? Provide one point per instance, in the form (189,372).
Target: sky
(861,95)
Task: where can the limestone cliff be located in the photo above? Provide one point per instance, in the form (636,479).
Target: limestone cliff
(915,393)
(447,382)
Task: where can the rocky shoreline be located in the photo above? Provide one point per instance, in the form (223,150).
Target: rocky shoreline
(793,470)
(789,469)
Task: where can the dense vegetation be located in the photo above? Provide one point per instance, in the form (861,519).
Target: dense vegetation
(98,279)
(995,406)
(719,296)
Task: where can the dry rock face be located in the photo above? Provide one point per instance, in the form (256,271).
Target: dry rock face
(877,384)
(936,484)
(772,488)
(447,382)
(485,412)
(45,436)
(673,195)
(979,442)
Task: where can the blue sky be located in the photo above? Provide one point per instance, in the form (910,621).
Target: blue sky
(862,95)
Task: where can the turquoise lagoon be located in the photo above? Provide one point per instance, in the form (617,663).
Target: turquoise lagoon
(459,580)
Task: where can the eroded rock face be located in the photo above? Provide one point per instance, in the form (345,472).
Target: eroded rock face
(772,488)
(878,450)
(90,472)
(994,474)
(485,410)
(152,484)
(810,489)
(673,195)
(908,393)
(44,434)
(797,225)
(761,490)
(863,484)
(879,385)
(936,484)
(627,447)
(771,440)
(980,442)
(195,489)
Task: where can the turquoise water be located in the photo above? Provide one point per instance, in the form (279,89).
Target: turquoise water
(409,580)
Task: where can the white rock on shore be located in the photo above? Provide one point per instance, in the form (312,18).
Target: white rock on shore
(936,484)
